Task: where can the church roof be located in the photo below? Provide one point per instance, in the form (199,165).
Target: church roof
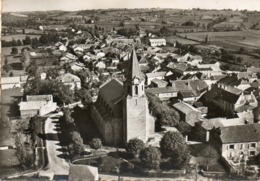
(134,69)
(111,91)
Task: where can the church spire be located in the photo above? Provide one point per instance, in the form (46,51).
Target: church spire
(134,69)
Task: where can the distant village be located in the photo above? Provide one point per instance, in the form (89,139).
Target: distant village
(165,105)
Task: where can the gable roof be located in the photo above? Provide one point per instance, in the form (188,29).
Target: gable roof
(241,133)
(83,173)
(38,98)
(156,74)
(68,77)
(111,91)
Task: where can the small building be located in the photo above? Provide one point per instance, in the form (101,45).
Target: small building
(188,113)
(13,82)
(71,80)
(82,173)
(158,83)
(37,105)
(157,42)
(164,93)
(154,75)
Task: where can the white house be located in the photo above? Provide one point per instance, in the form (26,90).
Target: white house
(37,105)
(157,42)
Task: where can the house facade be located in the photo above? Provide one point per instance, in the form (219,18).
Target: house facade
(157,42)
(238,141)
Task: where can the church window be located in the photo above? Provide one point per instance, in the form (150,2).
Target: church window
(136,90)
(129,89)
(142,87)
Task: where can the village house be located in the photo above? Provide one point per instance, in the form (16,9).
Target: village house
(230,99)
(154,75)
(157,42)
(71,80)
(239,142)
(13,82)
(37,105)
(188,113)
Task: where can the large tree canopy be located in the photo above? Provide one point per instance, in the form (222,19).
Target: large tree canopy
(173,146)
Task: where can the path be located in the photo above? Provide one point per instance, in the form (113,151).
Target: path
(57,165)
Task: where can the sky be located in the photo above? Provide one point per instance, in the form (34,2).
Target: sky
(73,5)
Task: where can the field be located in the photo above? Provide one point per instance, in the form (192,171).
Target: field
(231,40)
(30,31)
(18,36)
(9,107)
(173,39)
(13,61)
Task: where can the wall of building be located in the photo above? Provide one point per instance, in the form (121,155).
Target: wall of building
(135,117)
(29,113)
(239,148)
(48,108)
(10,86)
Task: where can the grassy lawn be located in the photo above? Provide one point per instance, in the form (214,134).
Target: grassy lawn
(9,108)
(14,61)
(8,163)
(18,36)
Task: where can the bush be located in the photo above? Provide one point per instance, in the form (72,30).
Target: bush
(151,157)
(95,143)
(126,166)
(134,146)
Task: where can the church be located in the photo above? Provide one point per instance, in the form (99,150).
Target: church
(121,110)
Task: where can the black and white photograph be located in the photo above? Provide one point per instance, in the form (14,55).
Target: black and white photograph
(127,90)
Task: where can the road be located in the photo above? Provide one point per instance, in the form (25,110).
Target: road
(57,165)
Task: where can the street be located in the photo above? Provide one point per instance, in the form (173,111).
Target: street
(57,165)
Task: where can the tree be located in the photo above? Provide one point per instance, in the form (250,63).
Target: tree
(11,74)
(6,60)
(77,146)
(24,153)
(67,116)
(27,40)
(95,143)
(14,51)
(173,146)
(208,156)
(151,157)
(163,113)
(83,95)
(134,146)
(242,50)
(184,128)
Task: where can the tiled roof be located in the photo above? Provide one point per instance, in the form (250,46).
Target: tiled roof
(33,105)
(157,90)
(160,82)
(156,74)
(111,90)
(68,77)
(241,133)
(38,98)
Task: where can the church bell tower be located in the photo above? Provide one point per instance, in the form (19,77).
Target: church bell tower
(135,104)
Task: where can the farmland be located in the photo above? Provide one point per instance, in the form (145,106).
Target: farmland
(18,36)
(12,60)
(233,40)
